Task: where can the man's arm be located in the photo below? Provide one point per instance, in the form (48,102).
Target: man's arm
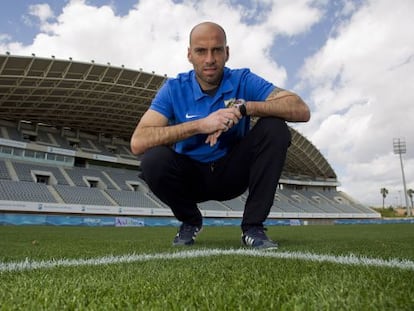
(153,129)
(280,103)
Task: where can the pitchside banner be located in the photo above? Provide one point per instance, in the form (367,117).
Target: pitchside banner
(113,221)
(120,221)
(129,222)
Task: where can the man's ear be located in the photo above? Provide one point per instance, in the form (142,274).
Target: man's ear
(189,56)
(228,53)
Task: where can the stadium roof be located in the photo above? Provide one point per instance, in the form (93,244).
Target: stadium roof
(104,99)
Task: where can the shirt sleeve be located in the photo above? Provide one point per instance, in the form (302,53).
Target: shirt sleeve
(257,88)
(162,101)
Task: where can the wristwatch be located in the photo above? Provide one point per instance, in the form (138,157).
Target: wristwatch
(241,104)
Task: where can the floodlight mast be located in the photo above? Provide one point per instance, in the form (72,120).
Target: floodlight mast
(400,148)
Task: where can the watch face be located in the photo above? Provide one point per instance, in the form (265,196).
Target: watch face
(229,102)
(238,103)
(233,102)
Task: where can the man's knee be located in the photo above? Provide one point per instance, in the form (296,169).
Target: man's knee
(153,161)
(274,129)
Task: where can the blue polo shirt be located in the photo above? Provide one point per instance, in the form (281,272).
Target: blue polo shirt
(181,100)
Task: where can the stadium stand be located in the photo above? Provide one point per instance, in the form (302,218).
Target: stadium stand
(131,198)
(64,141)
(236,204)
(4,173)
(82,195)
(25,191)
(212,206)
(88,177)
(39,173)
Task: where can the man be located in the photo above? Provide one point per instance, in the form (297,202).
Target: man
(197,141)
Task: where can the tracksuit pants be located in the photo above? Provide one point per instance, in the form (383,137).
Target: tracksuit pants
(254,164)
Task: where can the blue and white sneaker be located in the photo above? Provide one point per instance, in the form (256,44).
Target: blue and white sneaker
(186,234)
(255,237)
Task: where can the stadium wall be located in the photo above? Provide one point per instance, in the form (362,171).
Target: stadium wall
(117,211)
(125,221)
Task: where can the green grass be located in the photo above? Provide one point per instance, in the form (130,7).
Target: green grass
(224,282)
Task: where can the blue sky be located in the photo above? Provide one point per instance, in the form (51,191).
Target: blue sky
(21,25)
(351,61)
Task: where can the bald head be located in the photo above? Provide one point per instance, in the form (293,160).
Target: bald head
(208,52)
(208,27)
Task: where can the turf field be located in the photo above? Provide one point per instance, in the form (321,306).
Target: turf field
(342,267)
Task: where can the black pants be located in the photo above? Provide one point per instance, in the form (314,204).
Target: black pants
(255,163)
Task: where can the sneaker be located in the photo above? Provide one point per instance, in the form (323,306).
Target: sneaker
(255,237)
(186,235)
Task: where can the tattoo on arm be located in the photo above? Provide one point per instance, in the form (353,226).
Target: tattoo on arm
(277,90)
(274,93)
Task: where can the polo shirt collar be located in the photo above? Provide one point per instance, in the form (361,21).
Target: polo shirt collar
(225,85)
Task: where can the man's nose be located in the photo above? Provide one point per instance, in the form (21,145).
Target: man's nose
(210,59)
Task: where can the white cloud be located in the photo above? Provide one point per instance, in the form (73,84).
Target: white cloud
(293,17)
(41,11)
(4,37)
(154,33)
(386,171)
(360,83)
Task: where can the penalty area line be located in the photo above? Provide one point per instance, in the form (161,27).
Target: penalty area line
(28,265)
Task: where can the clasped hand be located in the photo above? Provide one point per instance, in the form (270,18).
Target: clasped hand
(220,121)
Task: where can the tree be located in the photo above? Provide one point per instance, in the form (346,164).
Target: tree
(384,192)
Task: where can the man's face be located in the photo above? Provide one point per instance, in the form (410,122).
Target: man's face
(208,53)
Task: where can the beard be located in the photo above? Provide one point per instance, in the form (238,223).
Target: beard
(209,80)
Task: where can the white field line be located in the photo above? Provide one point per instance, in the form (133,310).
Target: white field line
(28,264)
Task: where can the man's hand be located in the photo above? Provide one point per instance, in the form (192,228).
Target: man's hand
(153,129)
(220,121)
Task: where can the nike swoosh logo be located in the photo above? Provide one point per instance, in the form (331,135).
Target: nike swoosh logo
(191,116)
